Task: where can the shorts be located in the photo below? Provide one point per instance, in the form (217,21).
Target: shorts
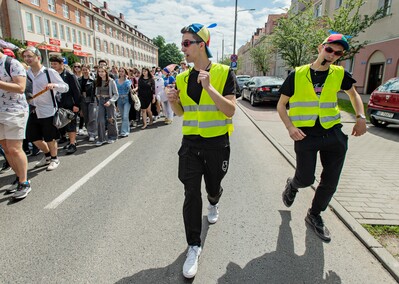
(41,129)
(13,125)
(71,127)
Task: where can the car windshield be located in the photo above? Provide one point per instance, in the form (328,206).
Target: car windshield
(391,85)
(263,81)
(242,79)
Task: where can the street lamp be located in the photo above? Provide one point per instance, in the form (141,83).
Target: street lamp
(222,43)
(235,25)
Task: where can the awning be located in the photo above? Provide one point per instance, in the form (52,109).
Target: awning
(43,46)
(81,53)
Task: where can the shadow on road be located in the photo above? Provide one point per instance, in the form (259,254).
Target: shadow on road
(283,265)
(389,133)
(170,274)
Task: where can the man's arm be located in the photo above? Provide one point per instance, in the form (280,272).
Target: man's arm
(57,83)
(17,85)
(360,126)
(294,132)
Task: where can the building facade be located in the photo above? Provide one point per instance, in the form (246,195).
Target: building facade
(88,29)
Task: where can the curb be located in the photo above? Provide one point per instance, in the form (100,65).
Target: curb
(386,259)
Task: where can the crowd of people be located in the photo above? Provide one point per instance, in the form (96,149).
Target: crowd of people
(100,97)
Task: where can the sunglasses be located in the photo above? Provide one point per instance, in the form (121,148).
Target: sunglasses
(76,66)
(330,50)
(187,42)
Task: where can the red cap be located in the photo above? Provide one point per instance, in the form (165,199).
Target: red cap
(8,52)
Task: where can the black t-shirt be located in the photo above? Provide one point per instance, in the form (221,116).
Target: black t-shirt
(318,79)
(194,90)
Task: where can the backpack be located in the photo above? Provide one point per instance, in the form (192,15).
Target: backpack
(28,87)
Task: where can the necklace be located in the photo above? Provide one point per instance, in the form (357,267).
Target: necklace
(315,70)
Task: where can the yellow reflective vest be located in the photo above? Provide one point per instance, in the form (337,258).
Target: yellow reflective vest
(306,106)
(204,119)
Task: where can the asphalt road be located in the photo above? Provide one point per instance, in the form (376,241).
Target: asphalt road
(113,215)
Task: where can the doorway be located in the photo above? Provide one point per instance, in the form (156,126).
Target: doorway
(375,76)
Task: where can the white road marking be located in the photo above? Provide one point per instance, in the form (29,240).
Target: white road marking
(83,180)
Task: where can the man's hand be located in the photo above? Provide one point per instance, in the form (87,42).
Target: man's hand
(360,127)
(172,94)
(296,134)
(75,109)
(51,86)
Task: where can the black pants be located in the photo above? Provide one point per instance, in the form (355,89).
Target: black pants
(193,164)
(332,148)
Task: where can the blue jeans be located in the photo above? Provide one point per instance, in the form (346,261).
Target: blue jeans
(124,108)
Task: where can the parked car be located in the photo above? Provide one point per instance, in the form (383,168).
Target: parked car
(383,106)
(241,79)
(262,89)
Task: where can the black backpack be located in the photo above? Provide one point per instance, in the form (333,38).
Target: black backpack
(29,87)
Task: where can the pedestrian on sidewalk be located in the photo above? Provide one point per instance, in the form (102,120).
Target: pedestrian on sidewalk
(204,96)
(313,122)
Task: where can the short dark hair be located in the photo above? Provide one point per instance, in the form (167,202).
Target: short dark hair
(102,60)
(56,58)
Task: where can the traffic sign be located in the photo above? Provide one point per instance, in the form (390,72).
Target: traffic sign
(233,65)
(233,58)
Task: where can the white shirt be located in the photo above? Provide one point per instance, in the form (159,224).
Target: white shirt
(160,88)
(44,103)
(12,102)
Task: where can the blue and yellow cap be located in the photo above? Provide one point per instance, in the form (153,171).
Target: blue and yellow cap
(203,33)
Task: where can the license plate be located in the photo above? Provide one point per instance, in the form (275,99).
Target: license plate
(275,89)
(384,114)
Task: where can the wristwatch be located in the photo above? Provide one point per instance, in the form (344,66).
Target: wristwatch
(362,116)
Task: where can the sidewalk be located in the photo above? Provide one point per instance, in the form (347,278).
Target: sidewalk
(368,192)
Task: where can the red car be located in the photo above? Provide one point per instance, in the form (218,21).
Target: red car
(383,106)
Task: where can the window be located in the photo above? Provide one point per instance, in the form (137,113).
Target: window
(98,45)
(89,40)
(123,51)
(96,25)
(54,27)
(105,47)
(77,16)
(104,31)
(112,49)
(386,6)
(68,34)
(338,3)
(65,11)
(110,31)
(318,10)
(88,22)
(84,39)
(116,34)
(73,36)
(117,50)
(35,2)
(80,37)
(38,25)
(29,22)
(62,32)
(47,27)
(51,5)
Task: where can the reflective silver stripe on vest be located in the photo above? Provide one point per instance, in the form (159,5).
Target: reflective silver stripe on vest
(207,124)
(304,104)
(303,117)
(200,108)
(330,118)
(328,105)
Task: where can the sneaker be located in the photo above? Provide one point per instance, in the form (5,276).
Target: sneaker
(213,213)
(81,132)
(124,135)
(22,190)
(134,123)
(99,143)
(190,266)
(43,162)
(111,141)
(13,187)
(5,168)
(289,193)
(91,139)
(53,164)
(71,149)
(316,222)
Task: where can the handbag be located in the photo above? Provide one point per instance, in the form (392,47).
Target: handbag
(62,117)
(136,100)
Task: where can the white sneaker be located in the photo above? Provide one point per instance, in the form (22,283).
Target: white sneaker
(99,143)
(43,162)
(54,163)
(213,213)
(190,266)
(81,132)
(91,139)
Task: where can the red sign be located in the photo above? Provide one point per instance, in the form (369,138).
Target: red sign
(31,43)
(77,47)
(233,57)
(55,41)
(80,53)
(42,46)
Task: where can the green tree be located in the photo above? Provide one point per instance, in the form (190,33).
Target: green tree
(297,36)
(72,58)
(261,56)
(225,60)
(168,53)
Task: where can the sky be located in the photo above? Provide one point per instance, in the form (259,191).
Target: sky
(167,17)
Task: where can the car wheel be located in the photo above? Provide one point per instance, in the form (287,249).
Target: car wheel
(251,98)
(378,123)
(242,95)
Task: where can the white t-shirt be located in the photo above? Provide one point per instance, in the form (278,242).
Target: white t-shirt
(12,102)
(160,88)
